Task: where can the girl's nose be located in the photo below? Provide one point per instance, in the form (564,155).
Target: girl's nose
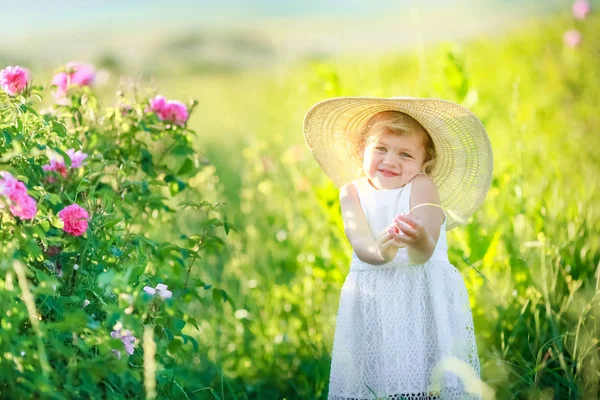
(389,158)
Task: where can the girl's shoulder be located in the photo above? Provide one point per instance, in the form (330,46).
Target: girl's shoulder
(423,190)
(353,186)
(423,185)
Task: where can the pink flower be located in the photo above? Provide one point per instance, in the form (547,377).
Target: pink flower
(21,204)
(126,337)
(14,79)
(75,219)
(169,110)
(76,74)
(25,207)
(58,164)
(161,289)
(7,183)
(581,9)
(158,103)
(82,74)
(176,112)
(572,38)
(76,157)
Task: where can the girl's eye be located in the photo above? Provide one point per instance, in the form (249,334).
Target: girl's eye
(380,148)
(405,155)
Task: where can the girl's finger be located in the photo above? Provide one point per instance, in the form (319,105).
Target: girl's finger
(387,236)
(401,241)
(387,243)
(407,219)
(408,231)
(387,228)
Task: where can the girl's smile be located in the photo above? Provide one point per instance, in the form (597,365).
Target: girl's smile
(387,173)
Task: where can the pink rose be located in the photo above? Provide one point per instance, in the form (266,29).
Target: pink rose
(14,79)
(581,9)
(572,38)
(158,103)
(21,204)
(75,219)
(177,112)
(169,110)
(25,207)
(76,74)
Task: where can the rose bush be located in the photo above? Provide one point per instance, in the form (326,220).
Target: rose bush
(85,196)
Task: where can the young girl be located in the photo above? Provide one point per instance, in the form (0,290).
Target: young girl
(409,169)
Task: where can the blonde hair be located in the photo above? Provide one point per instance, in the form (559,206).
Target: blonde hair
(397,123)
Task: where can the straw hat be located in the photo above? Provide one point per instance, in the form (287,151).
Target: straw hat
(464,160)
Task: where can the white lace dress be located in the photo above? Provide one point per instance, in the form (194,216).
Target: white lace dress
(403,331)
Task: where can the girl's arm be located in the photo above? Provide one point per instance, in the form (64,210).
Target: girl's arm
(357,228)
(424,223)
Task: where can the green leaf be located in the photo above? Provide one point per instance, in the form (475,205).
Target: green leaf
(182,150)
(7,136)
(59,129)
(167,248)
(45,225)
(174,346)
(178,324)
(33,250)
(186,167)
(168,334)
(108,224)
(146,162)
(187,338)
(226,225)
(25,108)
(53,198)
(56,222)
(194,323)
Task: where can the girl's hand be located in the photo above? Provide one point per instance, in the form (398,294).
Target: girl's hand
(408,230)
(388,245)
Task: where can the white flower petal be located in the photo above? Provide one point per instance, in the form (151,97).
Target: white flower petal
(161,286)
(149,290)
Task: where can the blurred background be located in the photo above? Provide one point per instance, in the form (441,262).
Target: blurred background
(240,34)
(530,256)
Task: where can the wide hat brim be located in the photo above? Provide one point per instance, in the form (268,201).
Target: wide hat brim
(464,161)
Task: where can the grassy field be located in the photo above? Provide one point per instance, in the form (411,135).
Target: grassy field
(530,256)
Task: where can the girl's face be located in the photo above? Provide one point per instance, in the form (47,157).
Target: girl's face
(392,160)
